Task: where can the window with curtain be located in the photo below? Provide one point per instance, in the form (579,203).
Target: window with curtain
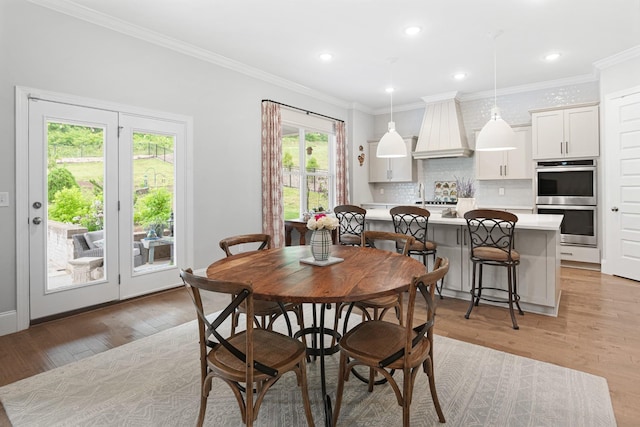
(308,177)
(304,165)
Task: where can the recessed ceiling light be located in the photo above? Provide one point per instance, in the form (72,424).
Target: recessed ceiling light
(326,56)
(389,89)
(552,56)
(460,76)
(412,31)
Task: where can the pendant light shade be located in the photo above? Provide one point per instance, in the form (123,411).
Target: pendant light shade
(391,144)
(496,135)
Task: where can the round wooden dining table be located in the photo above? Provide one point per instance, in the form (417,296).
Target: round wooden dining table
(279,275)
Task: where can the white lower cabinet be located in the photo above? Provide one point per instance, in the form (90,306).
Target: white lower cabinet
(537,266)
(451,243)
(538,275)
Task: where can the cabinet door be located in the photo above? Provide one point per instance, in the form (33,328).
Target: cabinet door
(517,163)
(378,168)
(449,240)
(581,132)
(548,134)
(489,164)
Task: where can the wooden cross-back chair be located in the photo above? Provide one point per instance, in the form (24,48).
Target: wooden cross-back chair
(381,305)
(251,361)
(385,347)
(265,312)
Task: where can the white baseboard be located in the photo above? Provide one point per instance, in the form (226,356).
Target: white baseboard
(8,322)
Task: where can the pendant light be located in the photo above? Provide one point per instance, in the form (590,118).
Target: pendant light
(496,135)
(391,144)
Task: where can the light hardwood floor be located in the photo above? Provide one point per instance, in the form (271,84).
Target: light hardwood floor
(596,331)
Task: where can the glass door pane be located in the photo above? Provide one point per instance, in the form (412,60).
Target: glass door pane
(153,201)
(75,183)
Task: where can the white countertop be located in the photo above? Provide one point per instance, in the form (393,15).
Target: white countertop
(525,221)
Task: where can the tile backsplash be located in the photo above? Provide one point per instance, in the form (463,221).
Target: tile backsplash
(475,112)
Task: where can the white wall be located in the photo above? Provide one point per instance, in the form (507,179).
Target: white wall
(43,49)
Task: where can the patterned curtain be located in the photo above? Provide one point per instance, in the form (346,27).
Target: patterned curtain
(342,175)
(272,204)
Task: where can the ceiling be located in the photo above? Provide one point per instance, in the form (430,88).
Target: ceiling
(280,40)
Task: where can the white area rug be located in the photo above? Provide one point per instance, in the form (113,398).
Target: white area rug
(155,382)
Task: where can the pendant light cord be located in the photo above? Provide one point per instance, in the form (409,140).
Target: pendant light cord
(495,73)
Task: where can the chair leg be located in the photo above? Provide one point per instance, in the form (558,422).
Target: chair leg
(515,291)
(434,393)
(438,288)
(479,294)
(510,292)
(472,291)
(342,373)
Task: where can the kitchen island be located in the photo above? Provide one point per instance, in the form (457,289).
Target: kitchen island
(537,239)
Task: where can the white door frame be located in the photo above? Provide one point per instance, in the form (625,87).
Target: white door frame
(609,163)
(22,95)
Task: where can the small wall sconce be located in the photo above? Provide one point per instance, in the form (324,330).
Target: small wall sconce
(361,156)
(309,150)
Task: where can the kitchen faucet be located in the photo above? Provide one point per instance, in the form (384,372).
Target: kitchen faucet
(421,193)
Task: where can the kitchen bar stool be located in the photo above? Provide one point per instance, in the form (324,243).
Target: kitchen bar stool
(351,220)
(491,235)
(414,221)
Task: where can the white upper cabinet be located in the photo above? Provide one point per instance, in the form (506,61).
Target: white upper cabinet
(510,164)
(402,169)
(566,132)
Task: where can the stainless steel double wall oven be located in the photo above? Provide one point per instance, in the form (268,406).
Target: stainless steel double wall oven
(568,187)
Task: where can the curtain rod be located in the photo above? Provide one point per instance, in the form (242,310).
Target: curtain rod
(301,109)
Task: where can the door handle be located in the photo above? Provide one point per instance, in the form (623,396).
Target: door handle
(37,205)
(561,148)
(37,220)
(566,147)
(500,170)
(505,170)
(614,209)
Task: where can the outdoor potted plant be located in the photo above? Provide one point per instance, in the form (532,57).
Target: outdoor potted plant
(155,228)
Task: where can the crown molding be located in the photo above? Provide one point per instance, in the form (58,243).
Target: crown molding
(618,58)
(585,78)
(75,10)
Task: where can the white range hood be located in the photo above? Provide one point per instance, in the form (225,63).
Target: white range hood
(442,133)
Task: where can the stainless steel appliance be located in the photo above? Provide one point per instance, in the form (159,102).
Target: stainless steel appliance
(566,182)
(568,187)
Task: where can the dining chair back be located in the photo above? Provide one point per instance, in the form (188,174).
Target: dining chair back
(255,241)
(352,223)
(380,305)
(492,238)
(384,347)
(265,312)
(251,361)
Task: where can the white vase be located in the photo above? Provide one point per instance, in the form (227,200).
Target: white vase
(465,204)
(320,244)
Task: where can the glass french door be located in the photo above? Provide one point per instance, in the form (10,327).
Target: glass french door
(73,231)
(104,218)
(150,206)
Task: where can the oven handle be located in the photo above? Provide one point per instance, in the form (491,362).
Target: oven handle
(566,169)
(568,207)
